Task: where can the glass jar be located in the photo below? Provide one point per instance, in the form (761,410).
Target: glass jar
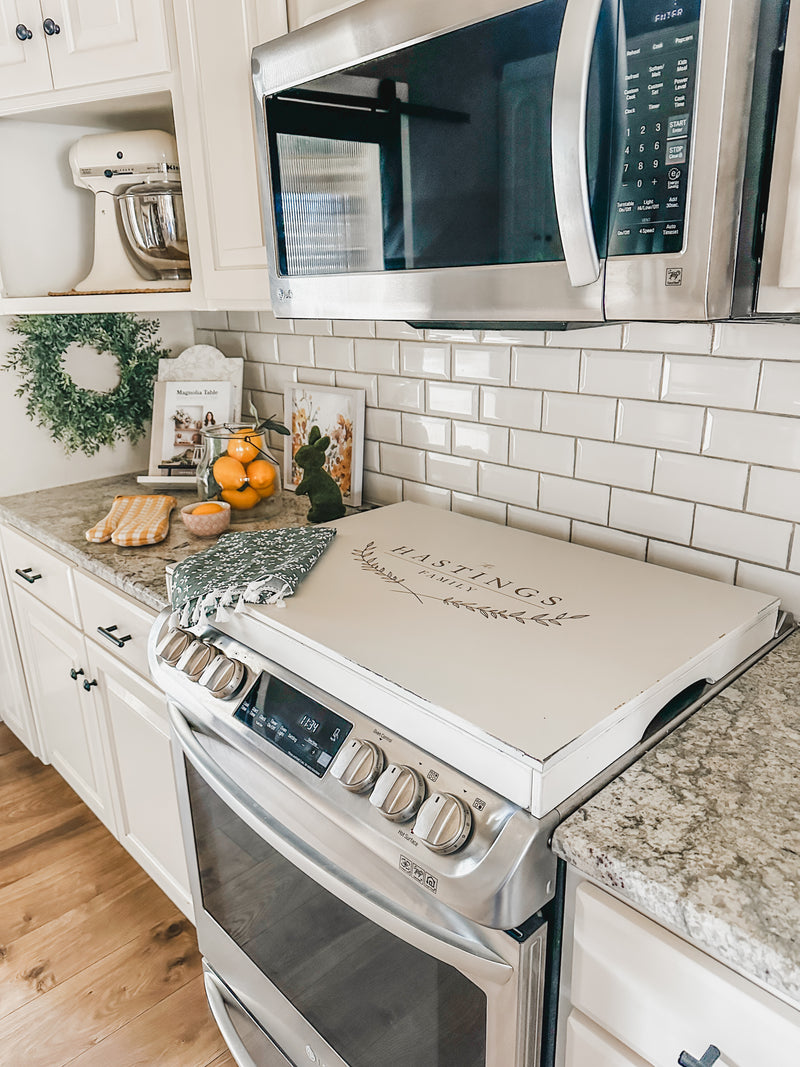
(236,466)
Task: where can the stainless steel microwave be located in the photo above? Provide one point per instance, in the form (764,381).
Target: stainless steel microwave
(490,161)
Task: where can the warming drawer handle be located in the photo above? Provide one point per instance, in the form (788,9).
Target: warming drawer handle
(26,574)
(568,125)
(108,632)
(471,957)
(710,1056)
(216,1001)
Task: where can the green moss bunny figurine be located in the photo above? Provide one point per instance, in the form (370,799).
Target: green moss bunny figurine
(322,491)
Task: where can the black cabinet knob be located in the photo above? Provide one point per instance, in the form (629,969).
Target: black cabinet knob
(50,27)
(710,1056)
(74,674)
(22,32)
(26,574)
(88,685)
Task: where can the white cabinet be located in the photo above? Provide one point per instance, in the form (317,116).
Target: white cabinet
(301,12)
(60,44)
(15,708)
(214,44)
(636,995)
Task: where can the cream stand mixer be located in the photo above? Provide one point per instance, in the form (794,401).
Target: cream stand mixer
(139,227)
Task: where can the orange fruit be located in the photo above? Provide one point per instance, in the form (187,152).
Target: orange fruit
(241,499)
(207,509)
(229,473)
(261,475)
(245,445)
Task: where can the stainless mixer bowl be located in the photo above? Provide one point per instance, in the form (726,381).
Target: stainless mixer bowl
(154,224)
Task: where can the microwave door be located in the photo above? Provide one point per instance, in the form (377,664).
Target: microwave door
(438,181)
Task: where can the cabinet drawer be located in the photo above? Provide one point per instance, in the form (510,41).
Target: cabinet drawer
(39,572)
(660,996)
(588,1044)
(114,622)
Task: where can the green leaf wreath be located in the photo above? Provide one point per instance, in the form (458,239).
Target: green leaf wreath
(83,420)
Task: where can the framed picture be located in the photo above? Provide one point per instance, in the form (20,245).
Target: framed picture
(180,412)
(339,413)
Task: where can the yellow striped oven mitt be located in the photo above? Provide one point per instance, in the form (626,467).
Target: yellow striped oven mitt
(134,521)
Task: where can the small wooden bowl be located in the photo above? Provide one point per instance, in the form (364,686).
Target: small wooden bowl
(209,525)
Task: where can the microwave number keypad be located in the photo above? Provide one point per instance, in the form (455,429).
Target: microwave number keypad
(659,98)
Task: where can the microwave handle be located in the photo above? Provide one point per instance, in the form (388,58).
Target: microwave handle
(570,163)
(472,958)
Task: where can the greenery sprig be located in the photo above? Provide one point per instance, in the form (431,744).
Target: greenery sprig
(83,420)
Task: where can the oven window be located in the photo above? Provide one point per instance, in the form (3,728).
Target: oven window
(371,996)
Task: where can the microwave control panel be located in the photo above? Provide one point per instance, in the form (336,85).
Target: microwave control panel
(658,103)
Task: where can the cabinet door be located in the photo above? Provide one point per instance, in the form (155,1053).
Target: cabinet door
(24,66)
(301,12)
(588,1044)
(66,712)
(140,768)
(100,41)
(15,709)
(214,44)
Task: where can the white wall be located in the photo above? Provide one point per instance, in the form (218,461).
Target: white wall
(32,460)
(679,444)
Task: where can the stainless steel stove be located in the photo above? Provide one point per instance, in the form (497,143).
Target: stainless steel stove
(370,775)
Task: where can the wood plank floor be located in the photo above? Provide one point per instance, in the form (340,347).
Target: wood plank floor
(98,968)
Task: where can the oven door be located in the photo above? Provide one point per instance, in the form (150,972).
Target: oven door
(339,959)
(440,161)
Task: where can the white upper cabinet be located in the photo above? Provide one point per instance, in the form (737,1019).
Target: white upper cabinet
(62,44)
(301,12)
(214,44)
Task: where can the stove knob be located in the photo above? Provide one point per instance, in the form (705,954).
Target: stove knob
(398,793)
(443,823)
(223,676)
(195,658)
(357,765)
(172,646)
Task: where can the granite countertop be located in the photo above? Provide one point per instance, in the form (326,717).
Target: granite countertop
(59,518)
(703,833)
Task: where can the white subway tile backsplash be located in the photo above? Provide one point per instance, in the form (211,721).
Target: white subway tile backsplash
(452,472)
(763,340)
(460,337)
(728,383)
(650,515)
(295,350)
(269,323)
(276,377)
(204,337)
(669,336)
(479,508)
(423,431)
(625,466)
(542,368)
(241,320)
(372,456)
(454,399)
(699,478)
(608,540)
(509,484)
(780,388)
(377,357)
(490,365)
(546,452)
(590,337)
(231,344)
(511,407)
(579,416)
(353,328)
(425,360)
(794,555)
(528,338)
(402,394)
(314,327)
(397,331)
(261,347)
(403,462)
(749,537)
(367,382)
(776,583)
(431,495)
(574,499)
(382,426)
(313,376)
(334,353)
(771,440)
(476,441)
(539,522)
(689,560)
(381,489)
(211,320)
(775,493)
(632,374)
(660,425)
(253,375)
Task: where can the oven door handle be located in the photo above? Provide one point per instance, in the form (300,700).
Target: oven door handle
(568,137)
(467,955)
(215,993)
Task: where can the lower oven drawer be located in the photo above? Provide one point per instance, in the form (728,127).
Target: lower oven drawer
(241,1032)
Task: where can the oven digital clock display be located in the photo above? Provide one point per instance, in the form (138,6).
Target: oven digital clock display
(294,723)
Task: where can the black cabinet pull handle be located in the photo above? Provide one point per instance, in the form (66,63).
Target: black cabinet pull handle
(88,685)
(22,32)
(108,631)
(74,674)
(26,574)
(50,27)
(711,1055)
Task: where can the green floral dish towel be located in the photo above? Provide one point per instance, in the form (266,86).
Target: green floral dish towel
(262,567)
